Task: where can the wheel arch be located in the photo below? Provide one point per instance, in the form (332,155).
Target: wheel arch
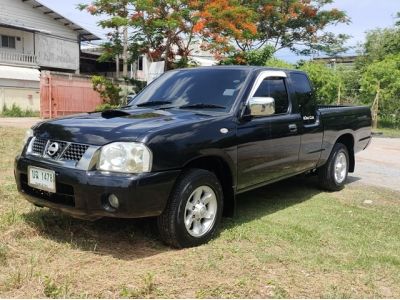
(347,139)
(221,168)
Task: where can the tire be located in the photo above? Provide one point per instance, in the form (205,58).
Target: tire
(180,225)
(333,175)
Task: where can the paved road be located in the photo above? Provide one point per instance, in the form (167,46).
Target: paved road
(18,122)
(378,165)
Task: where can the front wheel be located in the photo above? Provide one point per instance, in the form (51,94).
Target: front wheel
(194,210)
(332,176)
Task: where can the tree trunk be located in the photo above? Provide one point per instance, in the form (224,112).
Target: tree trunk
(125,53)
(117,66)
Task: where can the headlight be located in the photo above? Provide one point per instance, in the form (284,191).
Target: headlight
(125,158)
(28,135)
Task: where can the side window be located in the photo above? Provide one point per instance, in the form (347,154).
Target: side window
(7,41)
(304,96)
(275,88)
(140,63)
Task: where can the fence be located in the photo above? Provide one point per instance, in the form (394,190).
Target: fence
(66,94)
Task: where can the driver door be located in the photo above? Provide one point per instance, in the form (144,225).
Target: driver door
(268,147)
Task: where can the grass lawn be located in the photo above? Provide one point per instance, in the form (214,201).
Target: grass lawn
(388,132)
(288,240)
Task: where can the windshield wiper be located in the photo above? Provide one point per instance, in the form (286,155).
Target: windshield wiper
(201,105)
(153,103)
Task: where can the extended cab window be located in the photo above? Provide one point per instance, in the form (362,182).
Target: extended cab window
(304,96)
(275,88)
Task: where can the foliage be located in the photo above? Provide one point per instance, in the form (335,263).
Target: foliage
(325,80)
(116,12)
(293,24)
(109,92)
(170,29)
(16,111)
(381,43)
(384,76)
(278,63)
(252,57)
(105,106)
(137,84)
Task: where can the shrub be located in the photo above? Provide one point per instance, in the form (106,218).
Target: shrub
(109,92)
(105,106)
(16,111)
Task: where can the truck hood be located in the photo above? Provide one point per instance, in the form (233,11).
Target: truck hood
(114,125)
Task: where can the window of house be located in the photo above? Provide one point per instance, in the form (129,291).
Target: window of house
(140,63)
(275,88)
(8,41)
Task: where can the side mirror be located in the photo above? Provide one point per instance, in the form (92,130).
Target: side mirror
(261,106)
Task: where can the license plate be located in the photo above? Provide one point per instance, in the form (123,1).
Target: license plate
(42,179)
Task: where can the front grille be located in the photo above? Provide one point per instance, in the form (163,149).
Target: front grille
(64,193)
(67,151)
(39,145)
(74,152)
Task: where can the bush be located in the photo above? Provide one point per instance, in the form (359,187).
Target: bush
(105,106)
(109,92)
(17,112)
(325,80)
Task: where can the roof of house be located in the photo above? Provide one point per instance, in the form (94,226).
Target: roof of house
(84,33)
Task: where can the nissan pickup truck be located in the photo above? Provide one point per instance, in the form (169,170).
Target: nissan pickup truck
(186,145)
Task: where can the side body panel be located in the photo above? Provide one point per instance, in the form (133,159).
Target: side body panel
(340,120)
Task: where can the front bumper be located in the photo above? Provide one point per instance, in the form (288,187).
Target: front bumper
(82,194)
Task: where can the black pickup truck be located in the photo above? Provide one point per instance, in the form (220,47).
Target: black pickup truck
(187,145)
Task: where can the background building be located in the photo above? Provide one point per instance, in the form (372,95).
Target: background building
(34,38)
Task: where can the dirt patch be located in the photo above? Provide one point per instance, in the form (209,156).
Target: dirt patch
(18,122)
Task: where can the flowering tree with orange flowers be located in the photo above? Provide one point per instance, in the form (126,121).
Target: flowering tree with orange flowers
(299,25)
(167,29)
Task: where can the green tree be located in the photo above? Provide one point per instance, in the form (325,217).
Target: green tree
(258,57)
(116,20)
(326,81)
(278,63)
(166,29)
(383,76)
(381,43)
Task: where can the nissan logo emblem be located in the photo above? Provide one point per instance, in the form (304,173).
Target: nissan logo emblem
(53,149)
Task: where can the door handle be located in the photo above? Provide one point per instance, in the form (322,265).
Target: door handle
(293,128)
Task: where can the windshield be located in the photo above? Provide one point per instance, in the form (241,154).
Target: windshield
(212,89)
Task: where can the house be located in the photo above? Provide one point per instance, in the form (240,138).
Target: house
(34,38)
(143,69)
(333,62)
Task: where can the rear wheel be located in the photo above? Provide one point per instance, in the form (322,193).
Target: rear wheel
(332,176)
(194,210)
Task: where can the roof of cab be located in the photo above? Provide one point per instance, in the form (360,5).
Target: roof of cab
(249,68)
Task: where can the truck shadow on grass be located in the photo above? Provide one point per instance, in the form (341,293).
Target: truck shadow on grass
(133,239)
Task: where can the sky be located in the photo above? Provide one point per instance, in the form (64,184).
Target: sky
(364,14)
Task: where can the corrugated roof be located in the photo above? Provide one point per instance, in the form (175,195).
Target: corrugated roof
(86,35)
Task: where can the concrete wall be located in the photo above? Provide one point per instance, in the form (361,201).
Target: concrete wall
(58,53)
(25,98)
